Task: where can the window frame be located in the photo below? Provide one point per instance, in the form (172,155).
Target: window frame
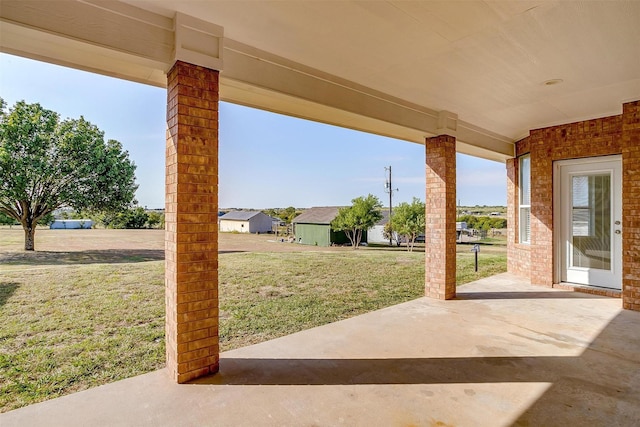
(524,210)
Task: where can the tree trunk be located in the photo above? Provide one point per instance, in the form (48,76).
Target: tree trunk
(29,238)
(357,235)
(350,237)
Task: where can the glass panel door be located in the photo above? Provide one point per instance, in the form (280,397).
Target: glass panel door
(590,206)
(591,221)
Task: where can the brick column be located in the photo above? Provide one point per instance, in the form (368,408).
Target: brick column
(440,216)
(542,207)
(191,215)
(631,206)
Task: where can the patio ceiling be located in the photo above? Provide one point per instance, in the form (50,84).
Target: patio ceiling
(479,70)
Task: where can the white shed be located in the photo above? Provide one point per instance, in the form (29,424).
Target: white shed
(60,224)
(245,222)
(376,233)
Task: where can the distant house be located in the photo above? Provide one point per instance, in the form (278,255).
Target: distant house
(313,227)
(245,222)
(460,226)
(60,224)
(376,233)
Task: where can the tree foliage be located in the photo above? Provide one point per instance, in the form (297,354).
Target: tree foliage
(408,220)
(47,163)
(483,222)
(7,220)
(287,214)
(390,234)
(127,218)
(361,215)
(155,220)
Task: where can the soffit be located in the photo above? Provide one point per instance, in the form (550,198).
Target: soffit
(484,60)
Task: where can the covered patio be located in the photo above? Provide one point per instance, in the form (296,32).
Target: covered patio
(530,84)
(502,353)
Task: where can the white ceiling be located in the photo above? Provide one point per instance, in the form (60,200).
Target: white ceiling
(486,61)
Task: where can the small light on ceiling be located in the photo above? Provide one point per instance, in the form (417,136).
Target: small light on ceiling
(552,82)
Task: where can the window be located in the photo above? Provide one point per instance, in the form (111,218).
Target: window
(590,197)
(524,210)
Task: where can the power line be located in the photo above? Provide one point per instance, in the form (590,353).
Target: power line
(388,188)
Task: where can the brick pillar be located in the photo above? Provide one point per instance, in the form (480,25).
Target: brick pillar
(542,208)
(191,215)
(440,215)
(631,206)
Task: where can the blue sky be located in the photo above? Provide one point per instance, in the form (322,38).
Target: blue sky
(266,160)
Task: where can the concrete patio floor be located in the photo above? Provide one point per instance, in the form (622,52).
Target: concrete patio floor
(503,353)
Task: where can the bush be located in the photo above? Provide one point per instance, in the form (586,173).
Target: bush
(131,218)
(483,222)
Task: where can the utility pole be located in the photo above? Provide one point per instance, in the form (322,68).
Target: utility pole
(389,189)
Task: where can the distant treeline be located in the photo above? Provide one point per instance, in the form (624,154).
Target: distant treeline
(135,217)
(483,222)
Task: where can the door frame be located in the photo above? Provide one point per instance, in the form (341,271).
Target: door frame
(558,214)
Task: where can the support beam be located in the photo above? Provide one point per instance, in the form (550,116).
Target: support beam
(121,40)
(191,222)
(262,80)
(440,216)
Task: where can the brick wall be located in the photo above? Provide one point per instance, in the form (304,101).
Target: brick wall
(590,138)
(440,235)
(631,205)
(191,214)
(599,137)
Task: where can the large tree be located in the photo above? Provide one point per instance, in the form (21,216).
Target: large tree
(47,163)
(361,215)
(408,220)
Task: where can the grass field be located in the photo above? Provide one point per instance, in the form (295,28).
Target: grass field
(88,307)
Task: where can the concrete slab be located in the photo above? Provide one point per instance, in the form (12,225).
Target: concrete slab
(503,353)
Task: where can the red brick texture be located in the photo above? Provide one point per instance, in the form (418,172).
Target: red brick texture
(191,215)
(631,206)
(440,233)
(518,255)
(590,138)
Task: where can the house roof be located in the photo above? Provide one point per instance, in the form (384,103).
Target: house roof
(385,217)
(240,215)
(317,215)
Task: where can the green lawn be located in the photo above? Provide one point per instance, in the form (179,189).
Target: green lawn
(65,328)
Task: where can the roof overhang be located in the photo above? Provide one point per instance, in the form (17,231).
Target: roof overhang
(473,70)
(120,40)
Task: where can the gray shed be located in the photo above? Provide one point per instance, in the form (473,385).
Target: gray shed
(245,222)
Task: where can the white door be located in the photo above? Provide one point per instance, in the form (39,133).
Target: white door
(591,215)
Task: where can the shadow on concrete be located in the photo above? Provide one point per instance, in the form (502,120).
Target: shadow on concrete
(6,290)
(385,371)
(523,295)
(105,256)
(601,386)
